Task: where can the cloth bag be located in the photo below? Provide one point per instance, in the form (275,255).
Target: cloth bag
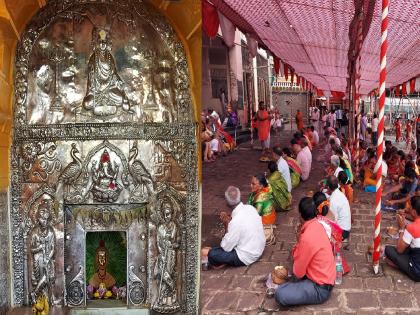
(270,238)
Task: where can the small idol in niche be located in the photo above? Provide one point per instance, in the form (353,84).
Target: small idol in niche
(102,283)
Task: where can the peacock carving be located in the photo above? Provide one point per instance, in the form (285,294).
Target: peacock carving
(73,170)
(138,171)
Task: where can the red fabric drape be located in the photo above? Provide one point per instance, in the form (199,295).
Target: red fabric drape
(286,71)
(292,76)
(397,90)
(276,65)
(319,92)
(412,85)
(303,83)
(210,19)
(297,80)
(404,89)
(337,94)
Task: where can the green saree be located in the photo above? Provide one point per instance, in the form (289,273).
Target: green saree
(281,196)
(263,202)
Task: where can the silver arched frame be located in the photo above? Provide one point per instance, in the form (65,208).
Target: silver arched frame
(159,123)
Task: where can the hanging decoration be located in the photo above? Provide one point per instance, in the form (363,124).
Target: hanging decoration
(210,19)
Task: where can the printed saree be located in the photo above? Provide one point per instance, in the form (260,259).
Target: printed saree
(262,200)
(281,196)
(295,171)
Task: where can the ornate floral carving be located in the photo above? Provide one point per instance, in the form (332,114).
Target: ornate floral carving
(75,289)
(136,291)
(39,160)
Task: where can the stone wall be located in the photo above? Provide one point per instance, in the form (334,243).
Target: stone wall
(4,254)
(297,101)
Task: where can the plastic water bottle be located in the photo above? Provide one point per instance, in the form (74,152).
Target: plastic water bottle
(339,269)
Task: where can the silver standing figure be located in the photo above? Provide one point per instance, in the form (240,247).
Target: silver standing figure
(167,243)
(42,249)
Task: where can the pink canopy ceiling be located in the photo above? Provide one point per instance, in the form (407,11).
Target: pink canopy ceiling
(312,36)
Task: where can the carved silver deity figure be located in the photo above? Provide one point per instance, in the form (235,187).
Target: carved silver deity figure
(42,249)
(105,91)
(164,271)
(105,186)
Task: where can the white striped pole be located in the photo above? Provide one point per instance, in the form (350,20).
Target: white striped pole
(358,84)
(379,150)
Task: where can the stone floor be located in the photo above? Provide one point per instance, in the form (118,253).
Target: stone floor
(242,290)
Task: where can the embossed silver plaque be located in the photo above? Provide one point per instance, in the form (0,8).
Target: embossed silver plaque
(104,140)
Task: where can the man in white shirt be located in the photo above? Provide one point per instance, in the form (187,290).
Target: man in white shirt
(303,157)
(338,117)
(315,135)
(339,206)
(244,241)
(375,124)
(335,163)
(283,167)
(315,118)
(332,119)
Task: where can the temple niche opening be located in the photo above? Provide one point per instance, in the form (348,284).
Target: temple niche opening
(104,190)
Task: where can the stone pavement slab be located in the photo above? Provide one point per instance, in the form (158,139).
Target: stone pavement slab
(242,290)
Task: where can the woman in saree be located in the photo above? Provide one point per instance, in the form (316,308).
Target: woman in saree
(397,130)
(262,199)
(226,138)
(369,176)
(394,166)
(344,163)
(295,171)
(334,232)
(281,196)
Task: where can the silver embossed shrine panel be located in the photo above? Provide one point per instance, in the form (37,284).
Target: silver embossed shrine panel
(104,140)
(131,219)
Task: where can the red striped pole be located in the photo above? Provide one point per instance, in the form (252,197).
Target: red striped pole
(379,150)
(358,84)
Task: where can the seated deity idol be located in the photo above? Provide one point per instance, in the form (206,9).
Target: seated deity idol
(105,91)
(105,186)
(102,283)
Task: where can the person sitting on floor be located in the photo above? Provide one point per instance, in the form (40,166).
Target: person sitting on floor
(313,262)
(344,163)
(403,191)
(282,166)
(281,196)
(295,170)
(335,165)
(315,135)
(406,256)
(334,232)
(346,149)
(345,186)
(244,241)
(303,157)
(339,206)
(368,175)
(262,199)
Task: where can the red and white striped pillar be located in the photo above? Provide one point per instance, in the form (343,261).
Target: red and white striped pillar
(358,84)
(379,150)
